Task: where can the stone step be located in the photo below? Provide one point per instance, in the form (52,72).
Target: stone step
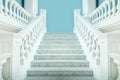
(59,71)
(60,78)
(59,42)
(59,38)
(59,63)
(60,57)
(52,37)
(58,51)
(59,47)
(60,34)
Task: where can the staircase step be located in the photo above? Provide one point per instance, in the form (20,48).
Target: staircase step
(60,78)
(59,47)
(59,38)
(59,71)
(60,57)
(55,51)
(59,42)
(59,63)
(60,34)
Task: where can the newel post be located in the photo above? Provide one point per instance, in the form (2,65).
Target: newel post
(76,13)
(43,13)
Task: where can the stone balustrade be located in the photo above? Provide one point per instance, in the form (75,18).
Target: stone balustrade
(93,46)
(105,11)
(13,10)
(23,45)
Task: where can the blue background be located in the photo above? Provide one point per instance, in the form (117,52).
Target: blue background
(60,16)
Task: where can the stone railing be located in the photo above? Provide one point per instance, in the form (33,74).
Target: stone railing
(3,59)
(23,45)
(93,46)
(13,14)
(106,15)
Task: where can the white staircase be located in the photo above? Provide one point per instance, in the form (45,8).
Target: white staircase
(60,57)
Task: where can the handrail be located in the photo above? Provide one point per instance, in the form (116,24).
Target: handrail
(107,9)
(23,46)
(14,11)
(92,42)
(29,41)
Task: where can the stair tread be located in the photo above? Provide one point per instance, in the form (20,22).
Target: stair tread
(59,61)
(60,54)
(60,69)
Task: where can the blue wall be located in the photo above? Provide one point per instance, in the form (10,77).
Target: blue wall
(21,2)
(60,14)
(98,2)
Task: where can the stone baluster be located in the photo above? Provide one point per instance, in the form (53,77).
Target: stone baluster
(6,7)
(1,6)
(118,6)
(11,8)
(14,11)
(113,9)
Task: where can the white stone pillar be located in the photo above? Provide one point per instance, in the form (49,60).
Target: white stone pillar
(31,6)
(44,12)
(88,6)
(76,12)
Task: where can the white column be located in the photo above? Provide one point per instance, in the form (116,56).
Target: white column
(88,6)
(76,12)
(43,12)
(31,6)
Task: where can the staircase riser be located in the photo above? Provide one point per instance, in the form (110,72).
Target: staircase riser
(60,73)
(60,64)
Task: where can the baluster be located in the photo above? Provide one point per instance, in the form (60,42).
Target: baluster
(6,7)
(17,13)
(105,13)
(113,9)
(102,14)
(11,8)
(1,78)
(109,11)
(1,6)
(118,6)
(20,15)
(14,11)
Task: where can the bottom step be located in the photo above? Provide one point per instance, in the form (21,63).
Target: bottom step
(60,78)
